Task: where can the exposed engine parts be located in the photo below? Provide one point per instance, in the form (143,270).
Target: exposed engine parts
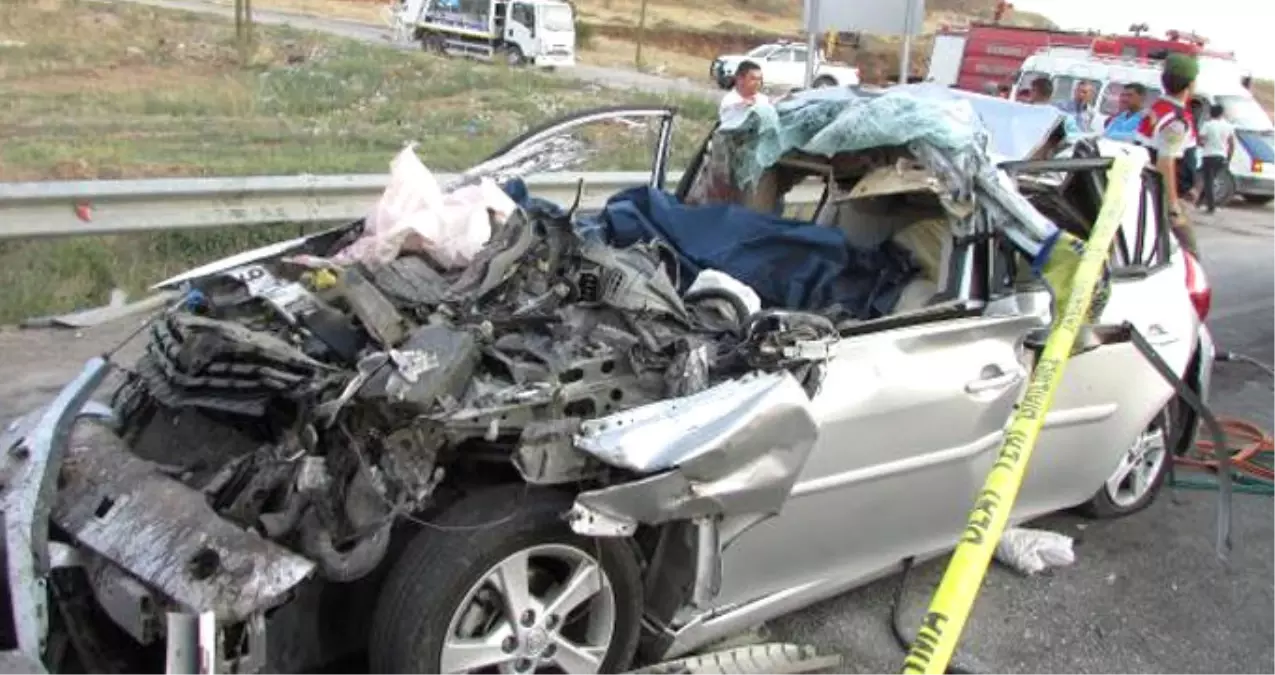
(317,404)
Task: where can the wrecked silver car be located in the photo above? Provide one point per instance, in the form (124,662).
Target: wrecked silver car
(587,441)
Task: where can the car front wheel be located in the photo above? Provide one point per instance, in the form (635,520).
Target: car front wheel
(1138,476)
(504,585)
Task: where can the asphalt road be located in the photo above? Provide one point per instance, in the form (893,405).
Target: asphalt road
(1146,593)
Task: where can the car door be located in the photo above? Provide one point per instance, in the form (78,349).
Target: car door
(520,30)
(567,143)
(909,418)
(1109,394)
(780,69)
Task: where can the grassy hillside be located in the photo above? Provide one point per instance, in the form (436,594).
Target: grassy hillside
(162,93)
(683,36)
(726,16)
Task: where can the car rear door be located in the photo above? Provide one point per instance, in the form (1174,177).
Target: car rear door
(910,418)
(1110,393)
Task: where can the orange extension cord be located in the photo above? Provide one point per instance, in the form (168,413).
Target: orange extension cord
(1250,447)
(1248,443)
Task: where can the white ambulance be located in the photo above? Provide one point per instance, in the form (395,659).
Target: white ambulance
(1222,82)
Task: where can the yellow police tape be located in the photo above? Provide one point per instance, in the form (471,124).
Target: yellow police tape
(950,607)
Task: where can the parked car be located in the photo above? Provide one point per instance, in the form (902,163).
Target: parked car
(783,66)
(558,455)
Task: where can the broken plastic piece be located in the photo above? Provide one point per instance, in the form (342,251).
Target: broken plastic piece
(414,214)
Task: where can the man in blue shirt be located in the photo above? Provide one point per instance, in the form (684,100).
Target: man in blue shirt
(1080,112)
(1123,126)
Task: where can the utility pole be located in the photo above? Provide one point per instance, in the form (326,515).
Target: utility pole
(243,29)
(641,36)
(905,55)
(812,40)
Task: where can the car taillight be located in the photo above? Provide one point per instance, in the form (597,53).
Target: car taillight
(1257,166)
(1197,286)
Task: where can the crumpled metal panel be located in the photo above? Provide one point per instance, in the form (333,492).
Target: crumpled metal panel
(31,450)
(765,408)
(165,534)
(735,448)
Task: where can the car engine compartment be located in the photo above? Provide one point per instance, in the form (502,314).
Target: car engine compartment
(316,404)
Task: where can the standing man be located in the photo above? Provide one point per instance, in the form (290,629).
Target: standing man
(1080,108)
(1123,126)
(747,90)
(1217,145)
(1166,131)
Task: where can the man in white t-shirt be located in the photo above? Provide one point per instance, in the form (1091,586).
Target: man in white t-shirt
(1217,145)
(747,90)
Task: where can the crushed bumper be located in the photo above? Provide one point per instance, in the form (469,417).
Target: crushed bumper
(203,571)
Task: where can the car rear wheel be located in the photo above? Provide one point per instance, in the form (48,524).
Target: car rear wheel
(825,81)
(522,594)
(1223,187)
(1139,475)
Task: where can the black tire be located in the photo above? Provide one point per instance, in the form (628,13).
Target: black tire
(430,579)
(513,56)
(1223,187)
(824,81)
(1259,200)
(1102,507)
(432,44)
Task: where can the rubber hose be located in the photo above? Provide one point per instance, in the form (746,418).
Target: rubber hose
(343,566)
(896,620)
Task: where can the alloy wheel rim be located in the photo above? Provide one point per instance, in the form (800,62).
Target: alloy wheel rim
(545,608)
(1138,468)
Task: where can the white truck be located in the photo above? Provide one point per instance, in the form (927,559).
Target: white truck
(783,66)
(537,32)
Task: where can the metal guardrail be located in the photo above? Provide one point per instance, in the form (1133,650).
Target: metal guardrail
(78,208)
(75,208)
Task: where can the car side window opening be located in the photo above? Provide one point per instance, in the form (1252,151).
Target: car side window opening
(1110,103)
(1142,245)
(523,15)
(1065,85)
(783,55)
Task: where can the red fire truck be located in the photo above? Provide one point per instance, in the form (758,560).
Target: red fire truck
(982,56)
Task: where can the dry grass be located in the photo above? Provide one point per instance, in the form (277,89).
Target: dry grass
(707,28)
(1264,92)
(620,53)
(161,93)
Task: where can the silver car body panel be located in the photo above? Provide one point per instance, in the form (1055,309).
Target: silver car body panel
(732,449)
(799,498)
(159,530)
(909,423)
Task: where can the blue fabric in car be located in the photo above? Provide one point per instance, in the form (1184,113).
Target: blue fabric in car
(791,264)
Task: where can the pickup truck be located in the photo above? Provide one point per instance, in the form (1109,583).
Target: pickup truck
(783,66)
